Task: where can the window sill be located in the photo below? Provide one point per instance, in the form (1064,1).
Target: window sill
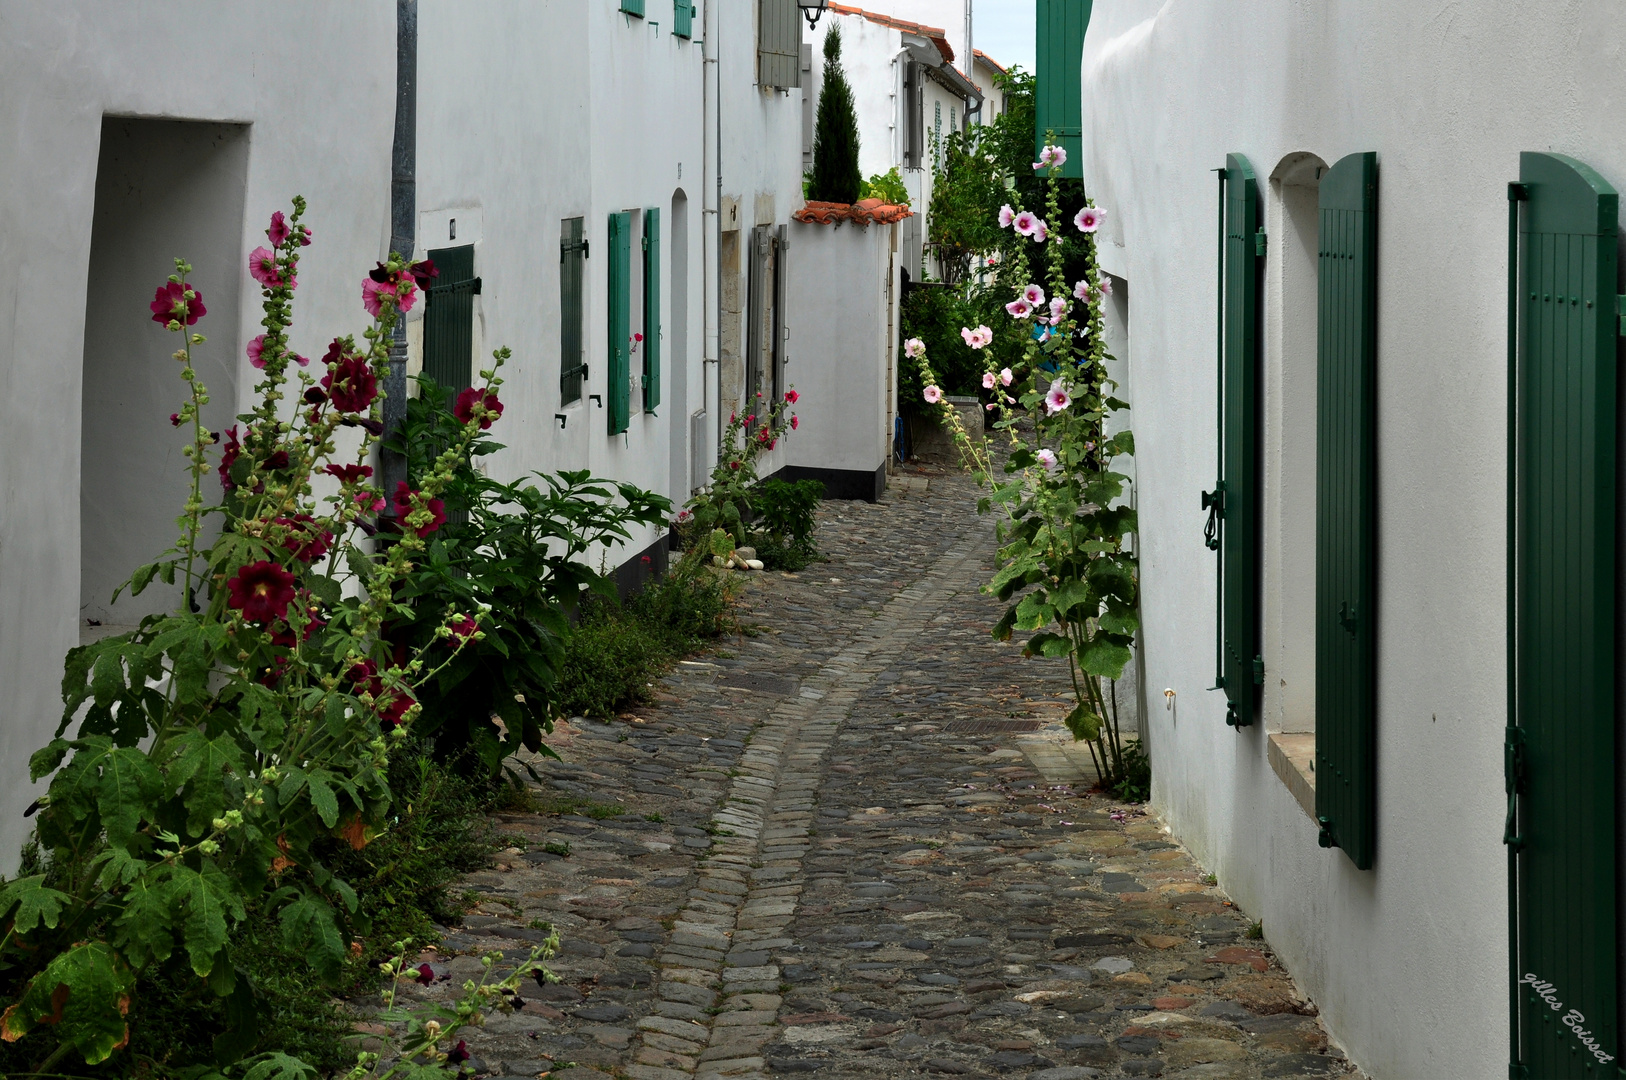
(1292,756)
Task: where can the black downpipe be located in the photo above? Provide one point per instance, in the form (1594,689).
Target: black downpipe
(403,209)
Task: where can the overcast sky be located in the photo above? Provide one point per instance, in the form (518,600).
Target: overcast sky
(1004,30)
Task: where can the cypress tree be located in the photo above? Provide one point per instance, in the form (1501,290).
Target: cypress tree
(835,135)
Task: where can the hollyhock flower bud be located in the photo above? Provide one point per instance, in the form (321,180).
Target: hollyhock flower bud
(464,408)
(256,351)
(1089,219)
(794,423)
(262,591)
(932,395)
(1047,458)
(423,272)
(403,507)
(175,419)
(305,235)
(458,1054)
(302,361)
(278,233)
(170,304)
(1006,216)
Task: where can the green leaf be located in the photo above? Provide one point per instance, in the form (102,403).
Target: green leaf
(206,898)
(1047,644)
(1084,724)
(1072,594)
(142,578)
(279,1066)
(201,767)
(1104,657)
(35,903)
(84,994)
(325,588)
(1033,613)
(145,929)
(47,758)
(1120,620)
(323,801)
(308,925)
(129,784)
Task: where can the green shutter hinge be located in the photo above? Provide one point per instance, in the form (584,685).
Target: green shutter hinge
(1259,242)
(1514,774)
(1620,309)
(1214,503)
(1259,671)
(1325,838)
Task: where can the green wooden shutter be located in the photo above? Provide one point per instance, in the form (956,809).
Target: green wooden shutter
(633,7)
(779,44)
(1235,501)
(572,365)
(1561,759)
(448,321)
(618,393)
(683,18)
(652,308)
(1346,510)
(1058,103)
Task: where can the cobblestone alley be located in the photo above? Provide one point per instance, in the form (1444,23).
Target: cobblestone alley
(842,854)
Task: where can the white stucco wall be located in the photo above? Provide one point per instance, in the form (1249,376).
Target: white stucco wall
(1408,961)
(313,111)
(870,56)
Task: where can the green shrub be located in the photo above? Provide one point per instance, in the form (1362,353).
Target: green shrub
(835,133)
(786,520)
(887,186)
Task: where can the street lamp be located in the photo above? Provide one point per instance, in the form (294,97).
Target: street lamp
(812,9)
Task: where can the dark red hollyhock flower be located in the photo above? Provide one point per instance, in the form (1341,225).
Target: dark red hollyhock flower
(426,974)
(228,458)
(285,636)
(278,460)
(391,711)
(464,408)
(305,538)
(403,507)
(464,628)
(273,674)
(170,302)
(175,419)
(365,675)
(262,591)
(458,1054)
(380,274)
(423,272)
(315,395)
(351,384)
(349,474)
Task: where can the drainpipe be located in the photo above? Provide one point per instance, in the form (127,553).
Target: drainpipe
(714,267)
(403,209)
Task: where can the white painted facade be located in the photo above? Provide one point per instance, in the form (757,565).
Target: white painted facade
(1407,961)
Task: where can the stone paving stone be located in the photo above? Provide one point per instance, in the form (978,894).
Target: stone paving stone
(839,855)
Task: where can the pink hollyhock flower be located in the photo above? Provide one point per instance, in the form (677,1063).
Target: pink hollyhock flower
(372,291)
(1050,156)
(794,423)
(1081,290)
(1006,216)
(1105,285)
(369,501)
(684,517)
(256,347)
(1019,308)
(279,232)
(792,397)
(988,380)
(1089,219)
(932,395)
(169,302)
(403,507)
(985,337)
(262,591)
(1058,308)
(262,267)
(406,294)
(1058,156)
(1033,295)
(1025,222)
(302,361)
(464,408)
(914,348)
(1057,400)
(1047,458)
(1005,376)
(1041,232)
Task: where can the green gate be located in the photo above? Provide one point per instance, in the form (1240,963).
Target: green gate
(448,320)
(1560,762)
(1233,505)
(1346,510)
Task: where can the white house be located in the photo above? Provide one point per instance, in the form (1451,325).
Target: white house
(984,70)
(1396,701)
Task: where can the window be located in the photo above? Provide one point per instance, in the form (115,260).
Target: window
(912,134)
(572,360)
(779,44)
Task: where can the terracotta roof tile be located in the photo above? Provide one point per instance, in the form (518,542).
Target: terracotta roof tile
(862,212)
(937,34)
(989,60)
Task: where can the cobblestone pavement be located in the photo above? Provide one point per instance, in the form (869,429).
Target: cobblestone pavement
(835,857)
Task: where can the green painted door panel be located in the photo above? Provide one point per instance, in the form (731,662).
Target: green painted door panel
(448,321)
(652,308)
(1060,26)
(619,301)
(1562,764)
(1241,666)
(1346,510)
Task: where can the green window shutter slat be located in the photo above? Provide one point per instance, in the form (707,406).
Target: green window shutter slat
(652,308)
(1058,101)
(572,253)
(1562,755)
(683,18)
(1346,505)
(779,44)
(633,7)
(1241,668)
(617,392)
(448,321)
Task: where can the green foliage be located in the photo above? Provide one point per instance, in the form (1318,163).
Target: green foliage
(520,554)
(835,132)
(616,650)
(726,505)
(887,186)
(786,521)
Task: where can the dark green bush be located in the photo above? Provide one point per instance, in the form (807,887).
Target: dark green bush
(786,520)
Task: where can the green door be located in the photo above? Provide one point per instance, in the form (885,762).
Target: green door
(1346,510)
(618,393)
(448,321)
(1561,740)
(1234,504)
